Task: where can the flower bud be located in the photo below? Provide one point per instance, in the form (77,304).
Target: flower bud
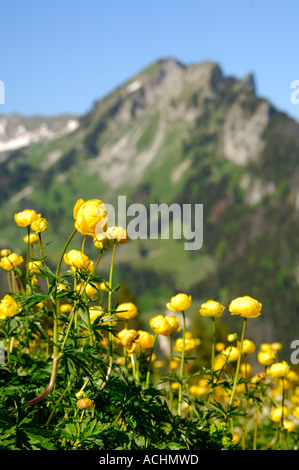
(85,404)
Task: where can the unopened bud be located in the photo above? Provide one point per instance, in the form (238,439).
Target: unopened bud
(85,403)
(262,375)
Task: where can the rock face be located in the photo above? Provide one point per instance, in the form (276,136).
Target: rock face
(17,131)
(183,134)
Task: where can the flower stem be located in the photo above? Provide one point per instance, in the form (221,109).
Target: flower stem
(182,366)
(109,312)
(238,365)
(150,362)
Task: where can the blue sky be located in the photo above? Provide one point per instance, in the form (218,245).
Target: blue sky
(61,56)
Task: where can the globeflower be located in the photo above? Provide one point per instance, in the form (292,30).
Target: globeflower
(90,289)
(31,239)
(189,343)
(98,311)
(78,260)
(126,310)
(144,340)
(164,325)
(117,233)
(25,218)
(34,266)
(90,216)
(126,336)
(246,307)
(279,370)
(232,353)
(11,261)
(211,308)
(8,307)
(266,358)
(5,252)
(179,302)
(278,412)
(39,224)
(248,346)
(102,241)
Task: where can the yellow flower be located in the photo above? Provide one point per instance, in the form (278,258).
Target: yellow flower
(61,287)
(102,241)
(39,224)
(65,308)
(266,358)
(211,308)
(279,370)
(104,286)
(90,216)
(144,340)
(34,266)
(198,390)
(219,347)
(179,302)
(126,310)
(172,319)
(78,260)
(248,346)
(90,289)
(293,376)
(5,252)
(277,412)
(117,233)
(95,312)
(219,361)
(164,325)
(246,307)
(232,353)
(289,425)
(8,307)
(11,261)
(25,218)
(245,370)
(190,343)
(276,346)
(232,337)
(32,239)
(266,347)
(127,337)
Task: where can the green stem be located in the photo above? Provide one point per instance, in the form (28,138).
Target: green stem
(83,244)
(63,251)
(27,260)
(41,249)
(109,312)
(256,427)
(8,349)
(150,362)
(213,358)
(238,365)
(282,414)
(170,370)
(56,303)
(182,366)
